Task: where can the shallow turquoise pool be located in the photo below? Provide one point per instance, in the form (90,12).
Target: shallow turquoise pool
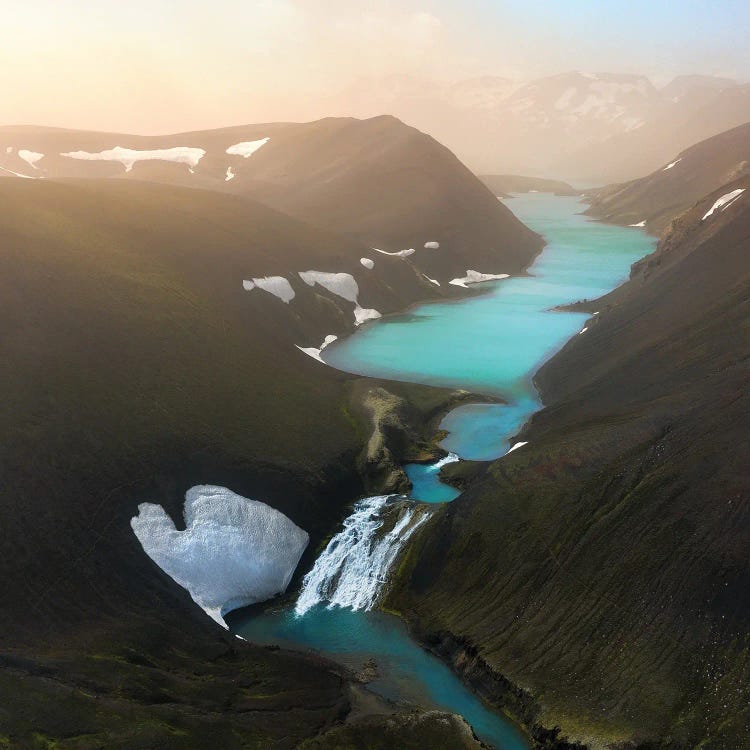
(491,344)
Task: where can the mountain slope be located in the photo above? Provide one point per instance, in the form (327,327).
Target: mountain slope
(136,366)
(497,125)
(676,186)
(602,568)
(378,181)
(682,124)
(591,128)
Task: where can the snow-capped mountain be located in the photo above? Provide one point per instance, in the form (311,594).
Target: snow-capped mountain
(588,126)
(483,93)
(576,102)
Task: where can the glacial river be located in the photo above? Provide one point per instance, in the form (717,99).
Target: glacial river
(490,344)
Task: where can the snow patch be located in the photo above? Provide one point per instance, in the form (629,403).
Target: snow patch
(669,166)
(639,224)
(363,314)
(724,202)
(432,245)
(246,148)
(18,174)
(276,285)
(516,446)
(30,157)
(315,353)
(432,281)
(367,263)
(342,284)
(474,277)
(583,330)
(129,156)
(398,253)
(566,98)
(233,552)
(230,175)
(632,123)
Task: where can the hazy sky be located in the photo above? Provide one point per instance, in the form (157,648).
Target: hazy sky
(164,65)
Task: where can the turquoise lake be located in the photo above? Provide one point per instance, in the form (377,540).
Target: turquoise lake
(494,343)
(491,344)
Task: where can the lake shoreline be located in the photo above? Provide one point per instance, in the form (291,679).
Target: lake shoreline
(521,712)
(494,687)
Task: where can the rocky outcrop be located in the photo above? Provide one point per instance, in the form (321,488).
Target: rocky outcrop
(389,433)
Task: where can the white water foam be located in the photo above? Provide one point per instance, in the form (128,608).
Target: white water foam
(451,458)
(352,569)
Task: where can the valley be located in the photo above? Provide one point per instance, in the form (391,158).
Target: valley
(610,537)
(514,329)
(443,479)
(163,351)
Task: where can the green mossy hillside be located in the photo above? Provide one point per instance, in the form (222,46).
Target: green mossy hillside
(597,579)
(135,366)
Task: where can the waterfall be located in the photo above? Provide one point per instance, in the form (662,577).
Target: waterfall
(451,458)
(353,567)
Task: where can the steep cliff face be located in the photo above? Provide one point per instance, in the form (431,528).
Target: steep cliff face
(602,569)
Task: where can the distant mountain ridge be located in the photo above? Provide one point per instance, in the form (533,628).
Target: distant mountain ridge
(587,127)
